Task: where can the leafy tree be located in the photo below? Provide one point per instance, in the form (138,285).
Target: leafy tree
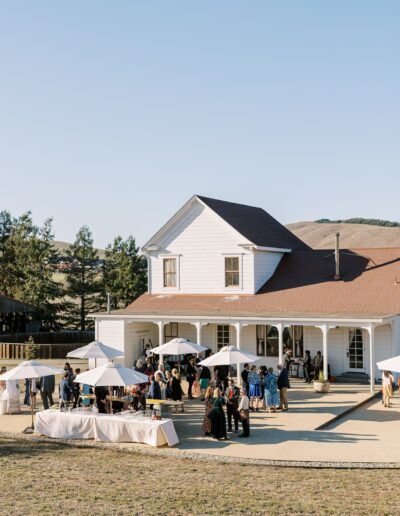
(26,256)
(83,285)
(124,271)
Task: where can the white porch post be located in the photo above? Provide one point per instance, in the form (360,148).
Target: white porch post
(198,332)
(371,331)
(160,325)
(325,330)
(238,327)
(280,327)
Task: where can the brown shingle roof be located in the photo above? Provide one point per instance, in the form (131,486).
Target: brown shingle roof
(255,224)
(303,285)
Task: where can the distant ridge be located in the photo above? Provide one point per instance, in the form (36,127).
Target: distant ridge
(359,220)
(319,235)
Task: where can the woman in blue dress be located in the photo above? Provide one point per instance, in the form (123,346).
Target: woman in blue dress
(271,391)
(254,380)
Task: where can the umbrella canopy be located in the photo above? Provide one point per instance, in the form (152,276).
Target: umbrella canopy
(178,347)
(95,349)
(111,375)
(229,355)
(390,364)
(30,369)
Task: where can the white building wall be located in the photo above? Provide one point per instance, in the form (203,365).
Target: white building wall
(201,241)
(265,264)
(111,333)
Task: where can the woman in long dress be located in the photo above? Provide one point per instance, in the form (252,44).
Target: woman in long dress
(176,389)
(387,388)
(12,396)
(271,391)
(254,380)
(3,400)
(217,416)
(208,406)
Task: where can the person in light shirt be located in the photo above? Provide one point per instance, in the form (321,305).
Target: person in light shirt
(244,412)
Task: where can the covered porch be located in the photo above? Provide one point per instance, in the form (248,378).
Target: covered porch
(347,345)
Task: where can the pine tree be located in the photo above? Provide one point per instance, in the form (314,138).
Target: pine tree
(124,271)
(83,285)
(27,255)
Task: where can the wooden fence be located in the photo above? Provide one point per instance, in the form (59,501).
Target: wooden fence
(13,351)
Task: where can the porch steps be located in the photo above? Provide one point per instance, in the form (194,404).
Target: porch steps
(360,378)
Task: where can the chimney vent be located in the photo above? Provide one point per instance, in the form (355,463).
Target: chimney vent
(337,257)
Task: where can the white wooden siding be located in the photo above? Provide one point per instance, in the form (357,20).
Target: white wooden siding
(201,240)
(265,264)
(111,333)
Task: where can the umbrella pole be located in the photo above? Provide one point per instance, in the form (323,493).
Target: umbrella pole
(110,400)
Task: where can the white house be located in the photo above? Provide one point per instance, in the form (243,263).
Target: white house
(223,273)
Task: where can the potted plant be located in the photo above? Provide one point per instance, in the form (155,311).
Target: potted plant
(320,384)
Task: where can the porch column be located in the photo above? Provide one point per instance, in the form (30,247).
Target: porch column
(238,327)
(160,325)
(371,331)
(325,329)
(280,328)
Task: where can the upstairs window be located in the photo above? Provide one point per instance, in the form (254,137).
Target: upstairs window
(170,272)
(232,272)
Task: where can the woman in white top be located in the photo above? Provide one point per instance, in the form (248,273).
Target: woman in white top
(244,413)
(387,389)
(11,394)
(3,399)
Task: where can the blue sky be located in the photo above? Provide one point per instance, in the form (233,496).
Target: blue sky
(113,114)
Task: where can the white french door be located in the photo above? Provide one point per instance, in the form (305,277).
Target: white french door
(355,351)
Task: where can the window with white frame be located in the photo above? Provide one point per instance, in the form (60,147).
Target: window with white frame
(170,331)
(169,271)
(222,335)
(232,271)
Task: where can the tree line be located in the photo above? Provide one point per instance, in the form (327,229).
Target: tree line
(28,262)
(360,220)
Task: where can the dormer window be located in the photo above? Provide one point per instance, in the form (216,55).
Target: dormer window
(232,271)
(170,276)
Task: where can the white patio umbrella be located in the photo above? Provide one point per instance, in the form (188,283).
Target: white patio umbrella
(28,370)
(390,364)
(109,375)
(95,349)
(229,355)
(179,346)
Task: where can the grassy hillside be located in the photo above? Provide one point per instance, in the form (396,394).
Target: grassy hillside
(321,235)
(63,246)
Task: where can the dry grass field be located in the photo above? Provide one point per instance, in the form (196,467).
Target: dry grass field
(51,478)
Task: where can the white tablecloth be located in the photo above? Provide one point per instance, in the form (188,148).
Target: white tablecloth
(106,428)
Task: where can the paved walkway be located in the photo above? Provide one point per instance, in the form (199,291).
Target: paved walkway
(369,434)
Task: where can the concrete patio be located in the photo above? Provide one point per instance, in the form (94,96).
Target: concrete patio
(366,434)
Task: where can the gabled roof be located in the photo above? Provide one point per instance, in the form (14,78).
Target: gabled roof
(255,224)
(302,286)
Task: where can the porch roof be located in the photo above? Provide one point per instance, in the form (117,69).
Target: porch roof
(303,286)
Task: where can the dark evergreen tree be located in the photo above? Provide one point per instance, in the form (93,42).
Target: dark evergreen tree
(124,272)
(83,284)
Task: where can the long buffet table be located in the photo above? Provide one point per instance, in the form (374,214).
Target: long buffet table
(106,427)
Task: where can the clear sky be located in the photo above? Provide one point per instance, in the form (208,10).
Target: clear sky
(113,113)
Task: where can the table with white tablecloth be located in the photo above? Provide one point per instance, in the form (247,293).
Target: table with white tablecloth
(106,427)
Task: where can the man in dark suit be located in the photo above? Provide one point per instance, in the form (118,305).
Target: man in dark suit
(47,385)
(283,386)
(232,404)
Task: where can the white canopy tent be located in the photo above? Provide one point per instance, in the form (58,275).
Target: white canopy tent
(111,374)
(28,370)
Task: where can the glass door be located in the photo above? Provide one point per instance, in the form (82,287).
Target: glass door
(355,351)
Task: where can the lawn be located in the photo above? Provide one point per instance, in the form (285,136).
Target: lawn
(51,478)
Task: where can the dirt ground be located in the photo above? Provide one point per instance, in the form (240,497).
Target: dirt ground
(52,478)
